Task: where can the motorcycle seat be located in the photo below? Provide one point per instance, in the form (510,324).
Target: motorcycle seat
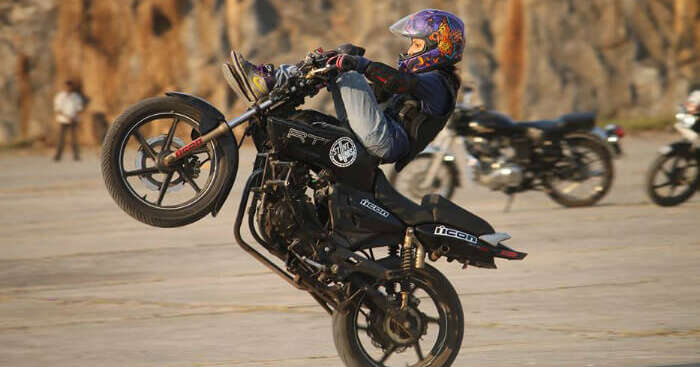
(433,209)
(564,124)
(446,212)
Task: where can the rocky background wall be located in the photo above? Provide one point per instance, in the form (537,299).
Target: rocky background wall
(530,58)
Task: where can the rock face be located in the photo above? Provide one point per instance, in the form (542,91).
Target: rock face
(530,58)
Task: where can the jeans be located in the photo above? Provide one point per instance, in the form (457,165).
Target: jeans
(383,137)
(73,127)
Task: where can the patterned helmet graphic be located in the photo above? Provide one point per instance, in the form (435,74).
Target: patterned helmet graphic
(443,33)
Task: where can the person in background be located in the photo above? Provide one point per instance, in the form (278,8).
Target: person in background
(68,104)
(692,104)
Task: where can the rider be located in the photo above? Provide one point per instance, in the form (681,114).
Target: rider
(422,91)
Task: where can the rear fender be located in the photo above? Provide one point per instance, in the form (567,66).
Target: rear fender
(441,240)
(210,118)
(682,147)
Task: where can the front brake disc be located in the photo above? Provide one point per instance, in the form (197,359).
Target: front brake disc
(149,180)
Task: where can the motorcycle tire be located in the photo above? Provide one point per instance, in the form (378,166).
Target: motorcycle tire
(657,168)
(114,146)
(353,353)
(598,147)
(445,182)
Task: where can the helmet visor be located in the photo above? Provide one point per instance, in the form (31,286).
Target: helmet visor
(411,26)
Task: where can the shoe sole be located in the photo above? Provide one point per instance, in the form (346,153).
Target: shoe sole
(234,82)
(241,72)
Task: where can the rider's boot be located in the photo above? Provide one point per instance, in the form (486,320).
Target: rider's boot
(250,81)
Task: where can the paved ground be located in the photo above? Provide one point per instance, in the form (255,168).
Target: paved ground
(82,284)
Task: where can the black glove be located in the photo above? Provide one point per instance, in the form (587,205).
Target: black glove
(350,49)
(344,62)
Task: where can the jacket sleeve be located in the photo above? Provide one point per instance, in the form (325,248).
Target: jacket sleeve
(390,79)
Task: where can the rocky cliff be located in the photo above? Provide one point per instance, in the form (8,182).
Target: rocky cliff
(531,58)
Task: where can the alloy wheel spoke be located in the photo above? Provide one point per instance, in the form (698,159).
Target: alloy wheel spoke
(673,187)
(142,171)
(388,354)
(432,320)
(189,179)
(419,352)
(171,134)
(662,185)
(164,187)
(586,164)
(149,150)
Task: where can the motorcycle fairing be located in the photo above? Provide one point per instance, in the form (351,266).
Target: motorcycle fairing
(210,119)
(360,221)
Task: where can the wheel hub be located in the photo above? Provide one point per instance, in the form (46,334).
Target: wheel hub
(153,181)
(404,327)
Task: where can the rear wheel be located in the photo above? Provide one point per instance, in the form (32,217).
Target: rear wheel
(144,188)
(673,178)
(428,332)
(411,180)
(585,173)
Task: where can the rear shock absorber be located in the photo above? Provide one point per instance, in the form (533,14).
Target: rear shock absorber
(394,250)
(406,265)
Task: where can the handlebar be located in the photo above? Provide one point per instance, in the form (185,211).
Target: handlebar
(320,71)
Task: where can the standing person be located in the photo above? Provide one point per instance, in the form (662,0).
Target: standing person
(68,104)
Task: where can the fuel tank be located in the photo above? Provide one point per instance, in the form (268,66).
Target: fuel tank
(324,145)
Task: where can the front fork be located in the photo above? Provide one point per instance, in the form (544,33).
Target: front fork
(444,142)
(223,128)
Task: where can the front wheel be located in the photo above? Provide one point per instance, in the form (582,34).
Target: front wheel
(138,181)
(673,178)
(584,174)
(427,332)
(411,180)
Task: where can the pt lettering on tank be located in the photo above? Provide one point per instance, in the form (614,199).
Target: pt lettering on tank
(449,232)
(373,207)
(304,136)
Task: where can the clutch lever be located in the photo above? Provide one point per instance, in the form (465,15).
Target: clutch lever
(320,71)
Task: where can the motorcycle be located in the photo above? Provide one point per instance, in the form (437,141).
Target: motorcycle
(560,157)
(674,175)
(318,202)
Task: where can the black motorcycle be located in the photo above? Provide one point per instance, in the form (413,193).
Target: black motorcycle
(317,201)
(566,158)
(674,175)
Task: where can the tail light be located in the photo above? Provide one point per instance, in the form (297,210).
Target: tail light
(619,131)
(616,130)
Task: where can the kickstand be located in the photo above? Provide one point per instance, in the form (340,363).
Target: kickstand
(509,203)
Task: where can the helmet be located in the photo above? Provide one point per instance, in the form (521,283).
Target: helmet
(443,33)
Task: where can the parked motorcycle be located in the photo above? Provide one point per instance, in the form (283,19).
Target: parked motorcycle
(562,157)
(317,201)
(674,175)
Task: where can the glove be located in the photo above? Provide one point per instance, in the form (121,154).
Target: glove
(350,49)
(344,62)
